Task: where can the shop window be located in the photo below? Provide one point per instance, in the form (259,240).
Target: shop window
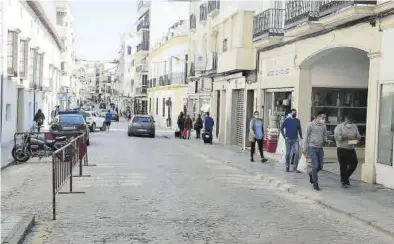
(386,125)
(337,103)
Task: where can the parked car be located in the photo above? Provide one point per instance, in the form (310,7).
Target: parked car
(95,121)
(114,115)
(141,125)
(69,123)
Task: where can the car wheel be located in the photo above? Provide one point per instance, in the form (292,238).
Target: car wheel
(153,136)
(93,127)
(104,127)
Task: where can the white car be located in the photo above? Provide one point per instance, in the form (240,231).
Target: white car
(94,121)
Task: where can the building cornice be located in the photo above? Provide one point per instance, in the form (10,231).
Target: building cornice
(38,10)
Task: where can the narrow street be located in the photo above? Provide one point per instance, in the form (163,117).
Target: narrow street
(147,190)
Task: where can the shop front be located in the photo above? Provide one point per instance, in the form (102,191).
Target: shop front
(335,75)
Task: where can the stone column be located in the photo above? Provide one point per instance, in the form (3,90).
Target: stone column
(368,169)
(303,95)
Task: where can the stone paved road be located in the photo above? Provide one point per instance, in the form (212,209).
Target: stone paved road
(147,190)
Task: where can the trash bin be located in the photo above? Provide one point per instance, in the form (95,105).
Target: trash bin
(271,144)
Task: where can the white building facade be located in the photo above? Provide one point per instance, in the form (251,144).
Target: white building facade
(31,52)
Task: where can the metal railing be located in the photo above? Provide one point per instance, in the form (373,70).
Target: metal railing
(178,78)
(142,25)
(270,22)
(143,46)
(298,12)
(64,161)
(327,7)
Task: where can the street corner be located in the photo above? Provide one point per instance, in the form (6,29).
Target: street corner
(14,229)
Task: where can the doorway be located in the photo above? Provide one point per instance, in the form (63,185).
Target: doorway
(249,114)
(239,117)
(217,113)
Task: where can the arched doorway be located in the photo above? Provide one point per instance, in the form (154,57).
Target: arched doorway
(336,81)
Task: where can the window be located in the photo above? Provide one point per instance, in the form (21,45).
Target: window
(60,18)
(225,45)
(386,125)
(8,112)
(12,53)
(142,120)
(164,107)
(129,50)
(150,105)
(157,106)
(63,68)
(40,69)
(23,68)
(72,120)
(33,67)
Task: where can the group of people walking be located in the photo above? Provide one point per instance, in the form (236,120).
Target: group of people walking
(186,124)
(313,140)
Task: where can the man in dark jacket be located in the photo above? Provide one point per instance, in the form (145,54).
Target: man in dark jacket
(188,126)
(198,126)
(181,124)
(208,124)
(39,118)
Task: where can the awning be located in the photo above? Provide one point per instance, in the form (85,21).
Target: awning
(205,107)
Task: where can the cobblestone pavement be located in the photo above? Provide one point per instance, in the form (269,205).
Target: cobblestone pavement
(146,190)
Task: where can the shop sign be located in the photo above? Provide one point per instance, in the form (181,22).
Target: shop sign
(278,72)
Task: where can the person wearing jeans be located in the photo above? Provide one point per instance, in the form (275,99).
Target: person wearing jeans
(346,136)
(315,138)
(256,134)
(290,130)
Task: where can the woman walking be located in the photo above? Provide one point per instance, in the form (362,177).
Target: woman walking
(256,134)
(198,126)
(188,126)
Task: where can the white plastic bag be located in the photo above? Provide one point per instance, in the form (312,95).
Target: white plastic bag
(302,165)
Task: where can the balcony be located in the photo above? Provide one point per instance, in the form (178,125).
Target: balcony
(192,22)
(141,68)
(213,8)
(143,47)
(205,64)
(269,23)
(203,13)
(306,17)
(236,59)
(143,25)
(334,13)
(178,78)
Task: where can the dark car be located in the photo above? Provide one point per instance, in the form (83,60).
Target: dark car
(140,125)
(114,116)
(70,125)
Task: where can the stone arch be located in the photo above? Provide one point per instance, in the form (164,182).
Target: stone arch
(314,56)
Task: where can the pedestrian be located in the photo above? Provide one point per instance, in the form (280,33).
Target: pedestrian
(108,120)
(198,126)
(181,124)
(208,125)
(290,130)
(346,137)
(256,135)
(188,126)
(39,118)
(314,140)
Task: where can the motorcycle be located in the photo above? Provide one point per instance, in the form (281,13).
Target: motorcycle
(35,146)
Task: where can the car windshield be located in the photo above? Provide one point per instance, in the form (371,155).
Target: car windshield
(142,119)
(74,120)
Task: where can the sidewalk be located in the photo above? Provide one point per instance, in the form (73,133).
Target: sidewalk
(6,157)
(371,204)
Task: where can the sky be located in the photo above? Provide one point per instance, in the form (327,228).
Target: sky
(99,25)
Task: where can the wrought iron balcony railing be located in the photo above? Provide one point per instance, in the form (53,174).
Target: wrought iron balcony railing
(327,7)
(270,23)
(143,25)
(298,12)
(203,12)
(178,78)
(143,46)
(213,5)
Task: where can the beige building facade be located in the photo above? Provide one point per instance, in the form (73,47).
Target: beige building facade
(333,57)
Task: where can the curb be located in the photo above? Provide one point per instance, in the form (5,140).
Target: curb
(17,234)
(8,164)
(283,186)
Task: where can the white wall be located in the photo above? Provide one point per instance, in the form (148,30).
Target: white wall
(345,68)
(18,15)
